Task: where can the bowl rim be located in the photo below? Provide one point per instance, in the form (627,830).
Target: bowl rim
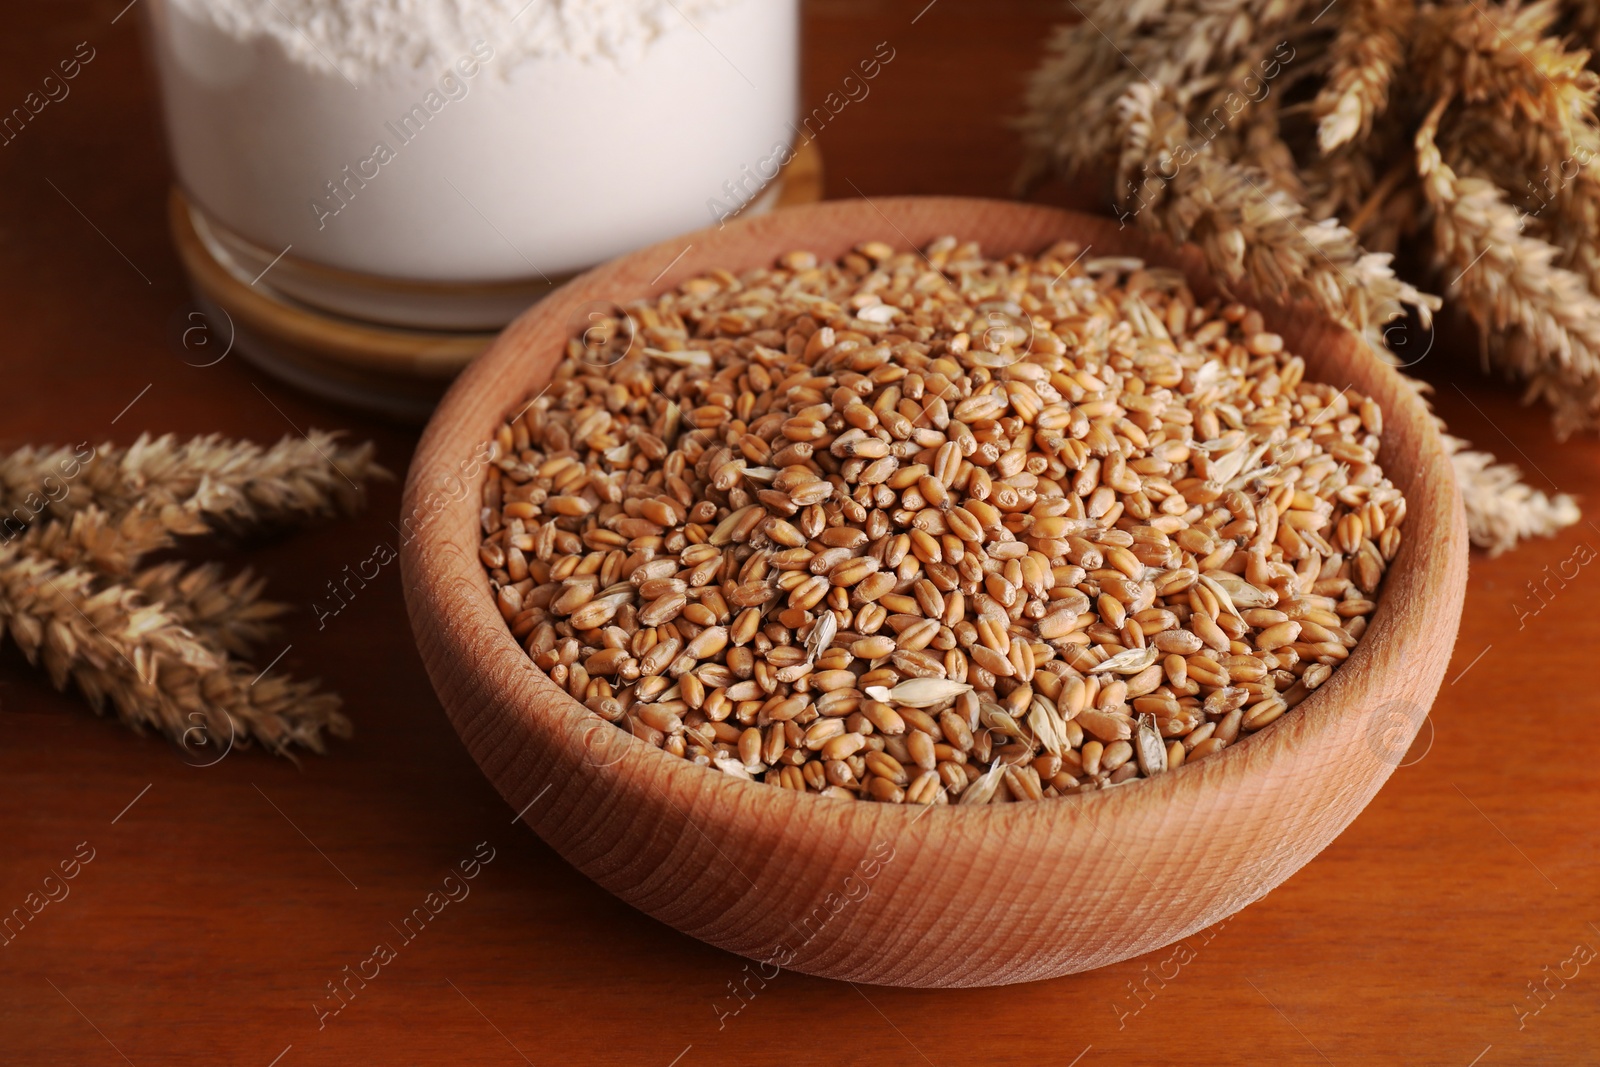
(1419,580)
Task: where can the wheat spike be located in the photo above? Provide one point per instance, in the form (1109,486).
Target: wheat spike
(1200,46)
(1363,57)
(1250,230)
(1303,200)
(230,484)
(1507,281)
(229,612)
(112,545)
(115,644)
(1501,508)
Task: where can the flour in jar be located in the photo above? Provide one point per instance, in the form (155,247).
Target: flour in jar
(362,38)
(471,141)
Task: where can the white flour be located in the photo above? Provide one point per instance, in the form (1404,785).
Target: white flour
(461,141)
(360,38)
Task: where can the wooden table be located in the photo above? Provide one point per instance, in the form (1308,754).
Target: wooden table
(221,901)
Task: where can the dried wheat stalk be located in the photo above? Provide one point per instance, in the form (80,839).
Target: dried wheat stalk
(227,611)
(117,645)
(1251,230)
(166,645)
(112,545)
(230,484)
(1501,508)
(1364,55)
(1507,280)
(1299,143)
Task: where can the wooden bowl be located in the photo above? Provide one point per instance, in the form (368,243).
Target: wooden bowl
(947,895)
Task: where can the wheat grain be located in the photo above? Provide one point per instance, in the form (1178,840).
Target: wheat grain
(908,527)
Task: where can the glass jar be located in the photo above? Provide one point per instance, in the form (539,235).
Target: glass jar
(438,165)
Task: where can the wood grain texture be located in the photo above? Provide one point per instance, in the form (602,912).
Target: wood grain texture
(766,872)
(207,926)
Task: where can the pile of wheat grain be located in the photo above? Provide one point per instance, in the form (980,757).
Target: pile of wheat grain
(930,527)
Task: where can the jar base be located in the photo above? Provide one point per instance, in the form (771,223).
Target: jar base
(385,345)
(402,302)
(393,371)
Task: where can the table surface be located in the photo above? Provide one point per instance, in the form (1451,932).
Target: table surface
(221,901)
